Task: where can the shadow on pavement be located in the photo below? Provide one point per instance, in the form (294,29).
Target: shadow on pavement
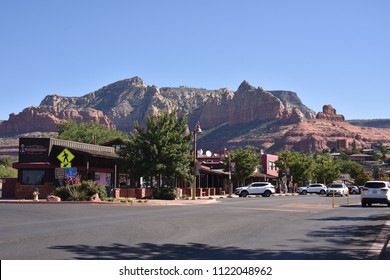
(355,235)
(193,251)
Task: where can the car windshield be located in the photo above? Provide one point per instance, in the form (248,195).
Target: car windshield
(375,185)
(336,186)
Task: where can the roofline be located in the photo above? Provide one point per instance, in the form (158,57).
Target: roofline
(80,146)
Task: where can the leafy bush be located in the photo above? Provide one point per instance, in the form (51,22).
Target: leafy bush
(166,193)
(81,191)
(89,188)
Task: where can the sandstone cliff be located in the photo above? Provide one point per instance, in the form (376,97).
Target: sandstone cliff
(252,104)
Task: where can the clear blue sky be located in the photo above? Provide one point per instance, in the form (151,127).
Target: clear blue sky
(329,52)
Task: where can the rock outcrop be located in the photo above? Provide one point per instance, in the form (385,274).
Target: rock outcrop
(329,113)
(251,104)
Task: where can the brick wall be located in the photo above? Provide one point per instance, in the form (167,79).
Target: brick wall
(26,191)
(140,193)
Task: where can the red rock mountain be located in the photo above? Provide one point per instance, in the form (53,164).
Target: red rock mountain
(38,119)
(270,120)
(126,101)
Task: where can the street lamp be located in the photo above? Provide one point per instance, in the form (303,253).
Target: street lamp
(197,129)
(230,173)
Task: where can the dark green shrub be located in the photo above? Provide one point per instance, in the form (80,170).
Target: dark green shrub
(62,192)
(166,193)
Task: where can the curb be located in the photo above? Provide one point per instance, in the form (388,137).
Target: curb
(141,202)
(380,249)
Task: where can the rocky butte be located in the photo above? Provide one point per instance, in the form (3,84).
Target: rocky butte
(270,120)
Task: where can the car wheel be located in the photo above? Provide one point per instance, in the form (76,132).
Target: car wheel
(364,204)
(322,192)
(244,194)
(304,192)
(267,194)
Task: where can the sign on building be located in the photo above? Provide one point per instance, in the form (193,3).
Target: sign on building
(65,157)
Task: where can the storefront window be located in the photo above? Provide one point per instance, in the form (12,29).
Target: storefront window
(124,181)
(32,177)
(103,178)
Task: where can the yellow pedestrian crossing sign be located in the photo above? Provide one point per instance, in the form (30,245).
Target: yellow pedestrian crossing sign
(65,157)
(65,164)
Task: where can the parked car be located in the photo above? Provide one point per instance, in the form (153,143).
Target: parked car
(312,188)
(337,189)
(376,192)
(354,189)
(260,188)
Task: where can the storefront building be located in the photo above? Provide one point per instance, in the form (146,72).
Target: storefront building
(45,163)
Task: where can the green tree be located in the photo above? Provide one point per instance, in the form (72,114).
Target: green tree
(384,151)
(298,166)
(6,161)
(351,167)
(362,178)
(88,132)
(245,161)
(162,150)
(6,170)
(354,149)
(326,169)
(377,173)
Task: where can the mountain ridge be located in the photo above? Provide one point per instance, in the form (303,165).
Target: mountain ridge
(265,119)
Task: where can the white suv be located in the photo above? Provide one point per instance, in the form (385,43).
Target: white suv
(312,188)
(261,188)
(337,189)
(376,192)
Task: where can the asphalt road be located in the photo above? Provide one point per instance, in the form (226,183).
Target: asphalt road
(281,228)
